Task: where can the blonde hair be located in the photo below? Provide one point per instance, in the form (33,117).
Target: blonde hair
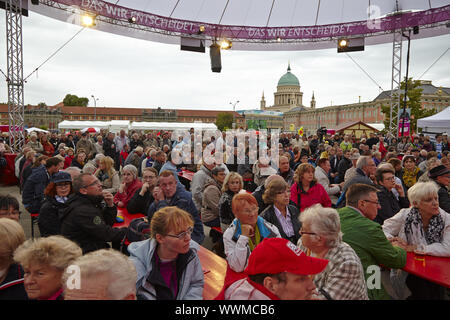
(109,166)
(169,218)
(232,175)
(12,235)
(54,251)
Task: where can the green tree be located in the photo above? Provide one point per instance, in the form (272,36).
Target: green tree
(42,104)
(224,120)
(73,100)
(414,95)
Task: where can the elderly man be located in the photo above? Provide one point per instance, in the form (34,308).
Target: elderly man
(365,168)
(441,175)
(170,193)
(86,144)
(160,159)
(87,220)
(104,275)
(285,170)
(199,179)
(367,238)
(321,173)
(277,270)
(93,164)
(34,143)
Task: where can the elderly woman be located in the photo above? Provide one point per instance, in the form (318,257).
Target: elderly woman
(279,212)
(48,148)
(167,264)
(424,228)
(411,172)
(129,185)
(306,191)
(107,175)
(11,274)
(79,160)
(56,195)
(69,158)
(246,231)
(34,143)
(343,278)
(232,184)
(43,261)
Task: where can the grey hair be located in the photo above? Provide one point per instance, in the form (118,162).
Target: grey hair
(99,156)
(421,190)
(325,222)
(132,169)
(120,271)
(363,161)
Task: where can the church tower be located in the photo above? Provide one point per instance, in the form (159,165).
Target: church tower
(313,102)
(262,103)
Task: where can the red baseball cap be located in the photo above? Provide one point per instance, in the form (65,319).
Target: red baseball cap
(277,255)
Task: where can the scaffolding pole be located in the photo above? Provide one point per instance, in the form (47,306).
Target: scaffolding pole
(395,82)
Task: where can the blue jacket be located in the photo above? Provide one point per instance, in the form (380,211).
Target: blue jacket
(33,190)
(183,200)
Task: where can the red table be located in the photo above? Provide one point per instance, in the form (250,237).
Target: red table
(7,174)
(434,269)
(127,217)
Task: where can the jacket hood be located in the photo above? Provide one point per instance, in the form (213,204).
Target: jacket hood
(211,182)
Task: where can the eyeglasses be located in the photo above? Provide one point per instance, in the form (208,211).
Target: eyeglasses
(182,235)
(304,232)
(96,182)
(374,202)
(390,178)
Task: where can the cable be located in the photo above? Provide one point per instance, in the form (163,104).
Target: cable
(270,13)
(379,87)
(433,63)
(6,77)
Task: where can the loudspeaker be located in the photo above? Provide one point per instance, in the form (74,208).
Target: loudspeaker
(214,53)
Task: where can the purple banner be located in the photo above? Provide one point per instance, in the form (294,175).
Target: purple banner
(186,27)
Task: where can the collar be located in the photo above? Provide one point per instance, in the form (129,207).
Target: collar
(357,210)
(279,214)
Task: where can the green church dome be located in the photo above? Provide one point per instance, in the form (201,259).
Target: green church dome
(288,79)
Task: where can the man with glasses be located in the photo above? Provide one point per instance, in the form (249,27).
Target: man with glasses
(90,215)
(143,197)
(366,237)
(389,204)
(9,207)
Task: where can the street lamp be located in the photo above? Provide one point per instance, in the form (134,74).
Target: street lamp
(234,117)
(95,106)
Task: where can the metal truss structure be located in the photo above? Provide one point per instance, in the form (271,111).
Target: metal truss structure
(395,82)
(14,50)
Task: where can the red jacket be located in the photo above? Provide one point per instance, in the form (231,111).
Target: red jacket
(128,193)
(315,194)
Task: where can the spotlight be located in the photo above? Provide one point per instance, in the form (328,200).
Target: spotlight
(225,44)
(35,2)
(214,53)
(201,29)
(132,20)
(278,39)
(342,43)
(348,45)
(87,20)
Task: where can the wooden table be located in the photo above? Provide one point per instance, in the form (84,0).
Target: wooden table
(434,269)
(214,267)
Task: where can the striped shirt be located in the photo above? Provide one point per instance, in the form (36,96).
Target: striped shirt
(286,222)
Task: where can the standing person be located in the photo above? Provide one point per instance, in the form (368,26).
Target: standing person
(99,145)
(170,193)
(279,212)
(110,149)
(87,221)
(130,183)
(366,236)
(306,191)
(343,166)
(167,264)
(232,184)
(11,273)
(121,140)
(56,195)
(143,197)
(30,158)
(86,144)
(199,179)
(44,261)
(33,190)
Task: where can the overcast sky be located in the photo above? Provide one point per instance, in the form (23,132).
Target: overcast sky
(127,72)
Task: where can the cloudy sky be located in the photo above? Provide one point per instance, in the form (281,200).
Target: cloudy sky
(126,72)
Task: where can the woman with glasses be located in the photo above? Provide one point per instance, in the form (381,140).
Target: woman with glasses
(279,212)
(80,159)
(321,237)
(167,264)
(246,231)
(56,195)
(410,172)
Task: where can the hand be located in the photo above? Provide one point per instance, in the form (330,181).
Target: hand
(109,198)
(400,190)
(144,189)
(342,184)
(247,230)
(122,187)
(158,194)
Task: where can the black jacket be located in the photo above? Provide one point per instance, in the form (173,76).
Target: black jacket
(49,217)
(270,216)
(258,193)
(343,166)
(140,204)
(12,287)
(33,189)
(108,148)
(444,198)
(88,222)
(389,204)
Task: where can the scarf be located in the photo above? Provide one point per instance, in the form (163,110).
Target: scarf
(410,177)
(260,228)
(61,199)
(414,230)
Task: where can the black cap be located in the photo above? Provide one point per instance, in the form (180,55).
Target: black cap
(61,176)
(438,171)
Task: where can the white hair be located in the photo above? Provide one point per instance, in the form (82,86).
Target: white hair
(363,162)
(421,190)
(131,168)
(120,272)
(325,222)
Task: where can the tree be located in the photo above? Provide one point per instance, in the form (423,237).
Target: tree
(224,121)
(42,104)
(73,100)
(414,103)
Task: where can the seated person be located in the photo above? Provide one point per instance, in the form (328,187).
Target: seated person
(343,278)
(105,274)
(130,183)
(246,231)
(44,261)
(279,212)
(143,197)
(277,270)
(167,264)
(107,175)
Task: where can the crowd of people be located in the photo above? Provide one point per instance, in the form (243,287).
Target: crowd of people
(314,225)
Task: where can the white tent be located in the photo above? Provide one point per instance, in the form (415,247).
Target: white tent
(172,126)
(36,129)
(437,123)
